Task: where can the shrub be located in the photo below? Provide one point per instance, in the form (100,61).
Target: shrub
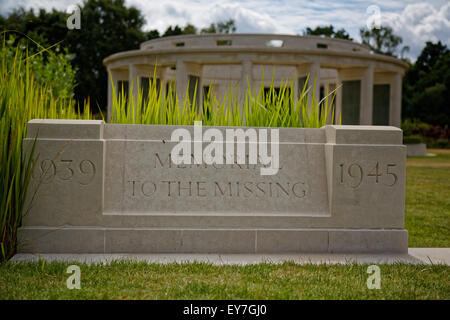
(412,139)
(413,127)
(443,143)
(437,132)
(50,68)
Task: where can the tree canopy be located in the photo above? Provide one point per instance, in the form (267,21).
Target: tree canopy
(107,27)
(381,40)
(426,86)
(228,26)
(327,31)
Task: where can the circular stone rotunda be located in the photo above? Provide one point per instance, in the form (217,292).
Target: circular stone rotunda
(369,85)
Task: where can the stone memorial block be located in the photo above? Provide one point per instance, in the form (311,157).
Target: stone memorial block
(110,188)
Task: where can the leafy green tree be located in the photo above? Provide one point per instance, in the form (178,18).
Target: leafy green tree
(50,67)
(46,28)
(173,31)
(189,29)
(431,55)
(107,27)
(426,86)
(228,26)
(152,34)
(177,31)
(210,29)
(381,40)
(327,31)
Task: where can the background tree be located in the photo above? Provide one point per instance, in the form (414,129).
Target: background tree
(177,31)
(426,86)
(46,28)
(173,31)
(210,29)
(327,31)
(51,67)
(152,34)
(107,27)
(381,40)
(228,26)
(189,29)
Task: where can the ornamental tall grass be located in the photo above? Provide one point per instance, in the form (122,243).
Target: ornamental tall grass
(260,107)
(21,99)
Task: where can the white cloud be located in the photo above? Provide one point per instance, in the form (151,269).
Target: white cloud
(420,22)
(247,20)
(414,20)
(6,6)
(202,13)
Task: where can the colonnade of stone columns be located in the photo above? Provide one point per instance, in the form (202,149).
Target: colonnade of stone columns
(365,75)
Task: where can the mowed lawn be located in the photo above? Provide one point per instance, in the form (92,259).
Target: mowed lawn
(427,214)
(133,280)
(427,220)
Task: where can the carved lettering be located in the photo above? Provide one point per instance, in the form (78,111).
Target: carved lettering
(202,189)
(355,174)
(65,170)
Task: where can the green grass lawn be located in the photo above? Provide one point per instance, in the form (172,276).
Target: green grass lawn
(126,280)
(427,214)
(427,220)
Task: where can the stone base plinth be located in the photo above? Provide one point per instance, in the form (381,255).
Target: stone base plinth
(164,240)
(109,188)
(416,150)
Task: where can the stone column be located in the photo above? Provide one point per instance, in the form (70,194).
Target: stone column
(338,98)
(296,88)
(200,88)
(314,77)
(395,103)
(181,79)
(366,105)
(163,79)
(246,75)
(312,71)
(133,84)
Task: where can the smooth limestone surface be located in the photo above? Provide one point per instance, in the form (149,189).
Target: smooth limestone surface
(416,150)
(107,188)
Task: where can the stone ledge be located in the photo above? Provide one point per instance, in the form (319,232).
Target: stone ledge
(65,129)
(415,256)
(168,240)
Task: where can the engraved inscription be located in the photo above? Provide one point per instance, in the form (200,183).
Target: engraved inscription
(47,170)
(201,189)
(353,174)
(165,162)
(150,183)
(172,185)
(87,171)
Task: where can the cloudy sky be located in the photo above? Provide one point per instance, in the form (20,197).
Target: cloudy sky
(415,21)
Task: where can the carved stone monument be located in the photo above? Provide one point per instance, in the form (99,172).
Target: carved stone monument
(109,188)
